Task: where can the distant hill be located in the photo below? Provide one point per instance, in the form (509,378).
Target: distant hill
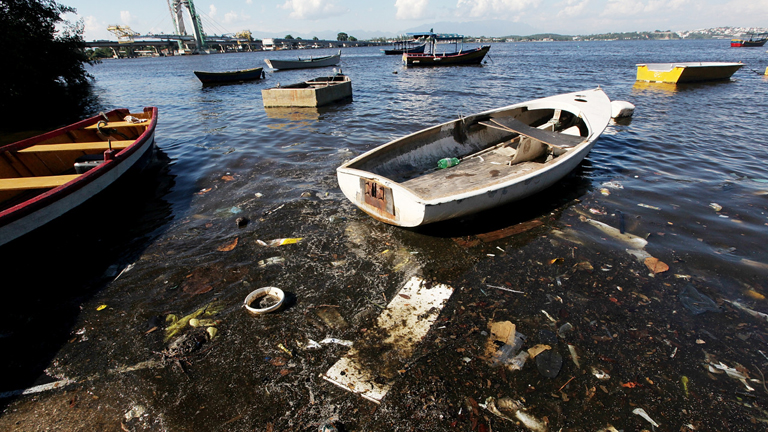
(515,31)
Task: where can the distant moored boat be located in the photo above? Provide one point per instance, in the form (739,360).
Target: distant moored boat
(431,56)
(757,41)
(229,77)
(686,72)
(299,63)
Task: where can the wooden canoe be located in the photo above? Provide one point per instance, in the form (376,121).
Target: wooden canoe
(43,177)
(229,77)
(299,63)
(506,154)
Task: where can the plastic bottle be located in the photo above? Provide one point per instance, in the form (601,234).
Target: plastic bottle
(506,351)
(447,163)
(518,361)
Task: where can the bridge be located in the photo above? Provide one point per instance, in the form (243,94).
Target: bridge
(131,44)
(166,45)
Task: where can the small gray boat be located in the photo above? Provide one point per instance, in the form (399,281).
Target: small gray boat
(299,63)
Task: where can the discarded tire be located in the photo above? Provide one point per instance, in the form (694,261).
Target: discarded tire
(276,297)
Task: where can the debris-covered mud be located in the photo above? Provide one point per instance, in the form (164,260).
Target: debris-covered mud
(630,296)
(553,323)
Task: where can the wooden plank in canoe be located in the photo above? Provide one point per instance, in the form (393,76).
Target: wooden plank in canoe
(16,164)
(472,173)
(554,139)
(42,182)
(118,124)
(83,146)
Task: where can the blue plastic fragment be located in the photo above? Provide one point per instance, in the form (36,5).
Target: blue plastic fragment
(697,302)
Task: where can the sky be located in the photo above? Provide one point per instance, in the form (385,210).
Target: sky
(366,19)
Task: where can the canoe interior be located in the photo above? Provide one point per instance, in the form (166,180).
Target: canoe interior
(319,82)
(51,162)
(485,148)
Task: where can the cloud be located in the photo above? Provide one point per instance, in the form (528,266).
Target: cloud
(644,7)
(572,8)
(212,11)
(313,9)
(411,9)
(126,17)
(248,1)
(234,17)
(494,9)
(94,29)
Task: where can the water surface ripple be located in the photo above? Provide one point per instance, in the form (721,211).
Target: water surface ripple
(690,163)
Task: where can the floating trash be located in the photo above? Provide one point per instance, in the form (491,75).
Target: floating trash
(716,206)
(648,206)
(600,374)
(641,412)
(331,316)
(512,410)
(613,185)
(550,361)
(628,239)
(565,328)
(280,242)
(404,323)
(271,261)
(345,343)
(574,355)
(655,266)
(538,349)
(697,302)
(271,299)
(752,312)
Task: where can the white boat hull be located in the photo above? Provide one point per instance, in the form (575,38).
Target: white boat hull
(303,64)
(408,207)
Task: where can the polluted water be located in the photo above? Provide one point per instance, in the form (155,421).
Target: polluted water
(110,321)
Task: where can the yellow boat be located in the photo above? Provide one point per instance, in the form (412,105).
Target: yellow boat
(686,72)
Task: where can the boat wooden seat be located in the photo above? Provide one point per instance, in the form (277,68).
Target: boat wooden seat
(117,124)
(554,139)
(474,173)
(77,146)
(38,182)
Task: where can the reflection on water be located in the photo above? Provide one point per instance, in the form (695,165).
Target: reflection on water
(644,86)
(53,270)
(293,114)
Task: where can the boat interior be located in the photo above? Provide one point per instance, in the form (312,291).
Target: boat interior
(28,168)
(492,148)
(318,82)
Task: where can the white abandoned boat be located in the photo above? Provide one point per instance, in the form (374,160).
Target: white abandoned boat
(504,155)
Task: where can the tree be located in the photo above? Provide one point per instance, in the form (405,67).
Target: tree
(352,39)
(288,37)
(315,38)
(47,63)
(342,37)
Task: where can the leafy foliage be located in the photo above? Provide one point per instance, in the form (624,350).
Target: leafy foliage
(44,54)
